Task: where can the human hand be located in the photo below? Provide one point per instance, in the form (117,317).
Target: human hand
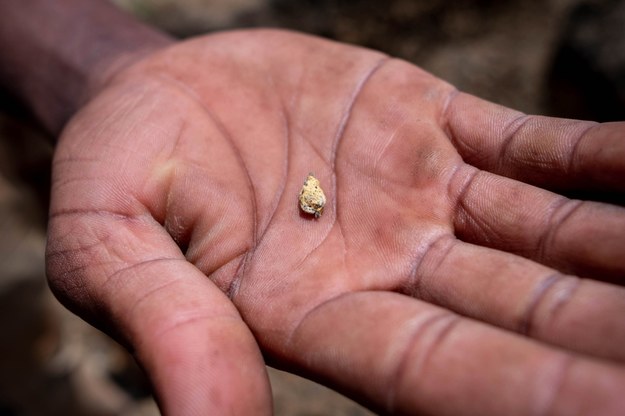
(433,283)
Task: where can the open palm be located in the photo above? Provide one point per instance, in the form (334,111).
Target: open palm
(175,226)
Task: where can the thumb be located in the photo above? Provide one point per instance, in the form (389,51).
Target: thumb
(127,276)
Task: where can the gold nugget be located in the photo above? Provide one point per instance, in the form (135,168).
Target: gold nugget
(311,197)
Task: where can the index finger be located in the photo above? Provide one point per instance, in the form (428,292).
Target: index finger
(545,151)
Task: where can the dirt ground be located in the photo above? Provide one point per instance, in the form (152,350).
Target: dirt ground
(52,363)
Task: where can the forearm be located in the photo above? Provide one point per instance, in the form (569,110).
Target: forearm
(53,53)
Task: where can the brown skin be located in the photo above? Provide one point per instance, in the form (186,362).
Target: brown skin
(432,284)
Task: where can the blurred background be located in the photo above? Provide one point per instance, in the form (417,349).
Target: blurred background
(554,57)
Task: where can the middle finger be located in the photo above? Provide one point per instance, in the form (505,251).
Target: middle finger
(523,296)
(580,237)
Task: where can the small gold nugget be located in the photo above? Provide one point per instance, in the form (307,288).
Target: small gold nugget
(311,197)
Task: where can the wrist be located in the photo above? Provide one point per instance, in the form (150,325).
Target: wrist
(55,54)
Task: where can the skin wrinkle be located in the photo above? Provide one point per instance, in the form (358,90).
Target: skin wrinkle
(178,323)
(555,223)
(487,231)
(452,177)
(288,343)
(308,255)
(128,133)
(240,256)
(464,148)
(110,249)
(414,282)
(444,114)
(195,164)
(72,283)
(181,129)
(182,240)
(145,296)
(72,274)
(186,91)
(564,369)
(293,109)
(561,298)
(95,307)
(343,123)
(109,118)
(152,104)
(106,214)
(311,142)
(515,126)
(74,159)
(419,332)
(113,214)
(232,288)
(380,154)
(461,194)
(108,75)
(69,281)
(536,297)
(114,276)
(68,251)
(235,283)
(65,182)
(191,319)
(95,310)
(171,225)
(345,247)
(142,217)
(340,132)
(457,200)
(285,173)
(573,166)
(449,131)
(154,127)
(460,206)
(190,227)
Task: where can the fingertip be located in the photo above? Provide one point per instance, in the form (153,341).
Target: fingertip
(206,366)
(200,356)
